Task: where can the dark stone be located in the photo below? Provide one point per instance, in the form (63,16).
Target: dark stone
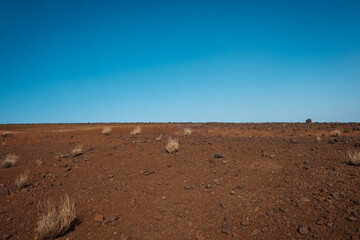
(218,155)
(226,229)
(4,190)
(112,188)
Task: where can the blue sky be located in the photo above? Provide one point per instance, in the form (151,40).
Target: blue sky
(175,61)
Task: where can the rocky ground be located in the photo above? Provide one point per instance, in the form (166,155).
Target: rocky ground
(227,181)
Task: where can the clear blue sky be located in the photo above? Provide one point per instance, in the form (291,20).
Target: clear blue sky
(198,61)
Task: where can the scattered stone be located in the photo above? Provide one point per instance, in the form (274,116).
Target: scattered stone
(187,187)
(245,223)
(217,181)
(283,209)
(226,229)
(64,156)
(208,186)
(330,224)
(303,229)
(4,190)
(149,171)
(218,155)
(7,236)
(270,213)
(67,169)
(357,202)
(351,218)
(57,157)
(159,216)
(39,163)
(113,223)
(255,232)
(232,192)
(112,188)
(98,218)
(63,165)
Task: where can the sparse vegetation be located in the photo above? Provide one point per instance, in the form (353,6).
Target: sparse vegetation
(6,134)
(136,131)
(106,130)
(56,219)
(22,179)
(158,138)
(335,133)
(354,157)
(172,145)
(10,160)
(187,131)
(77,151)
(318,138)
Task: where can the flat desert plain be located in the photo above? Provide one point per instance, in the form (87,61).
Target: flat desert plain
(225,181)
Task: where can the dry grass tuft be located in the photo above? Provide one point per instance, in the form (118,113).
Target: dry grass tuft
(136,131)
(172,145)
(187,131)
(318,138)
(106,130)
(22,179)
(77,151)
(158,138)
(6,134)
(354,157)
(56,219)
(335,133)
(10,160)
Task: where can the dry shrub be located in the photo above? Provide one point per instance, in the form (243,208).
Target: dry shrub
(158,138)
(56,219)
(10,160)
(335,133)
(187,131)
(22,179)
(136,131)
(354,157)
(6,134)
(172,145)
(77,151)
(106,130)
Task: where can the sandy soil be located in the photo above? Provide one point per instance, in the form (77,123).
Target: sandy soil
(267,181)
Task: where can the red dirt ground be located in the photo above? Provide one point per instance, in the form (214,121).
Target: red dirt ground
(275,181)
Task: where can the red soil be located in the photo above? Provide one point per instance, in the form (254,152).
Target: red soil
(275,181)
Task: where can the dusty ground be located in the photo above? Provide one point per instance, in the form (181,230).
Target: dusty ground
(274,181)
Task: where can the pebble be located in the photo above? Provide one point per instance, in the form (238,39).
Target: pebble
(98,218)
(245,223)
(4,190)
(226,229)
(187,187)
(159,216)
(39,163)
(255,232)
(218,155)
(112,188)
(208,186)
(232,192)
(303,229)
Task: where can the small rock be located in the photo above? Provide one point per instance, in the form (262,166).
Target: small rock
(270,213)
(63,165)
(187,187)
(351,218)
(232,192)
(255,232)
(303,229)
(112,188)
(57,157)
(245,223)
(64,156)
(218,155)
(283,209)
(67,169)
(159,216)
(357,202)
(208,186)
(39,163)
(149,171)
(226,229)
(4,190)
(98,218)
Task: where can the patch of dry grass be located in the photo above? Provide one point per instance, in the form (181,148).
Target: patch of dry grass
(6,134)
(22,179)
(354,157)
(187,131)
(335,133)
(56,219)
(172,145)
(158,138)
(106,130)
(77,151)
(136,131)
(10,160)
(318,138)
